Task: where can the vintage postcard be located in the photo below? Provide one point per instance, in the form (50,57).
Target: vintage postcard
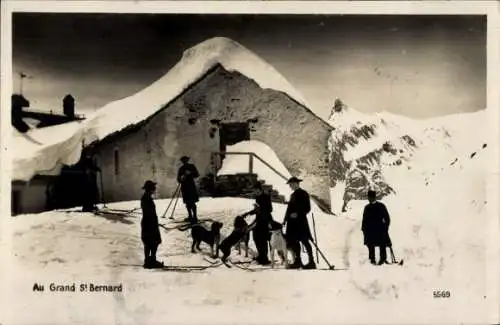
(176,162)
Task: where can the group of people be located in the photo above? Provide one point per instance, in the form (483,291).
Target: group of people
(375,223)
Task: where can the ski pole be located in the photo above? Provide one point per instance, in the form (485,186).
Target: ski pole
(331,267)
(394,257)
(170,203)
(315,237)
(175,204)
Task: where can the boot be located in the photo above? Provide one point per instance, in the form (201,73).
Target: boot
(147,263)
(297,264)
(263,260)
(157,265)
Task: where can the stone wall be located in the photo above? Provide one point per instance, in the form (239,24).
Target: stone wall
(186,127)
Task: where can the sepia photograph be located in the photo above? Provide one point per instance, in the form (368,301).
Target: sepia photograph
(191,166)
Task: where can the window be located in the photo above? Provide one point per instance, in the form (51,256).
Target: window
(117,163)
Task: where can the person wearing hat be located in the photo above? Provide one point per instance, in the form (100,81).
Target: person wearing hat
(186,176)
(150,231)
(297,226)
(375,228)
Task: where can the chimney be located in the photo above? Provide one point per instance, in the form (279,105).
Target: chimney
(69,106)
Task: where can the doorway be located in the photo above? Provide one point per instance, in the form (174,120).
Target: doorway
(232,133)
(15,202)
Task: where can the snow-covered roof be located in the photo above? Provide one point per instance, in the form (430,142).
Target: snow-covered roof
(44,151)
(120,114)
(195,62)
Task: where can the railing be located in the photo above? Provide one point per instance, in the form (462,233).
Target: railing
(251,157)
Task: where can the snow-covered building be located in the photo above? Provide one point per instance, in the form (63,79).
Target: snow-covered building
(217,95)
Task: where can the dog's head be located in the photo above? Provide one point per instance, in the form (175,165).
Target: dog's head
(239,222)
(216,227)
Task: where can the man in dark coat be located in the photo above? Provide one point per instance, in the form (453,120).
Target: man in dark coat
(375,227)
(185,176)
(90,190)
(263,216)
(150,231)
(297,229)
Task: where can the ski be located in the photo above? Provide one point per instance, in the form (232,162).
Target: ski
(214,263)
(111,213)
(120,210)
(188,222)
(179,268)
(219,262)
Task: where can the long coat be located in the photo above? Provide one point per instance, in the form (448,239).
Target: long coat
(375,225)
(150,231)
(298,228)
(91,189)
(263,214)
(188,186)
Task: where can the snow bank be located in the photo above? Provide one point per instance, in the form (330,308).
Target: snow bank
(119,114)
(44,151)
(239,164)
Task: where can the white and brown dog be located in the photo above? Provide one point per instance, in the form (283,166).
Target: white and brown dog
(278,243)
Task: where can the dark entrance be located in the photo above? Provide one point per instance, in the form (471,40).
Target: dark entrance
(232,133)
(15,202)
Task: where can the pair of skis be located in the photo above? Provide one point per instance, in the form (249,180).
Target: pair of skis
(246,266)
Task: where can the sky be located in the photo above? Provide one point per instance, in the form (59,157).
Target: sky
(418,66)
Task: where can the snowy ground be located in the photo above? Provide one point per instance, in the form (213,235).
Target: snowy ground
(75,247)
(440,226)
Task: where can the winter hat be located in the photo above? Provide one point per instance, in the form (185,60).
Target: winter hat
(294,180)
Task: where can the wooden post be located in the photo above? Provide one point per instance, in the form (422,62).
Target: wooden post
(250,163)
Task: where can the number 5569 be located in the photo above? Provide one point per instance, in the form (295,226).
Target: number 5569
(441,294)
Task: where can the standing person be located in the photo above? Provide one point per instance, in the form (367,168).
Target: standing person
(263,217)
(150,231)
(185,176)
(297,230)
(91,190)
(375,228)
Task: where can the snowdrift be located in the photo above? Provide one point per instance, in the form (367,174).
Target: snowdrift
(128,111)
(234,164)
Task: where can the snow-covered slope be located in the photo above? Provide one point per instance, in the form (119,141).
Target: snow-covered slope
(383,151)
(131,110)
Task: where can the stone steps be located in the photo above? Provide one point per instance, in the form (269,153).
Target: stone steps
(236,185)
